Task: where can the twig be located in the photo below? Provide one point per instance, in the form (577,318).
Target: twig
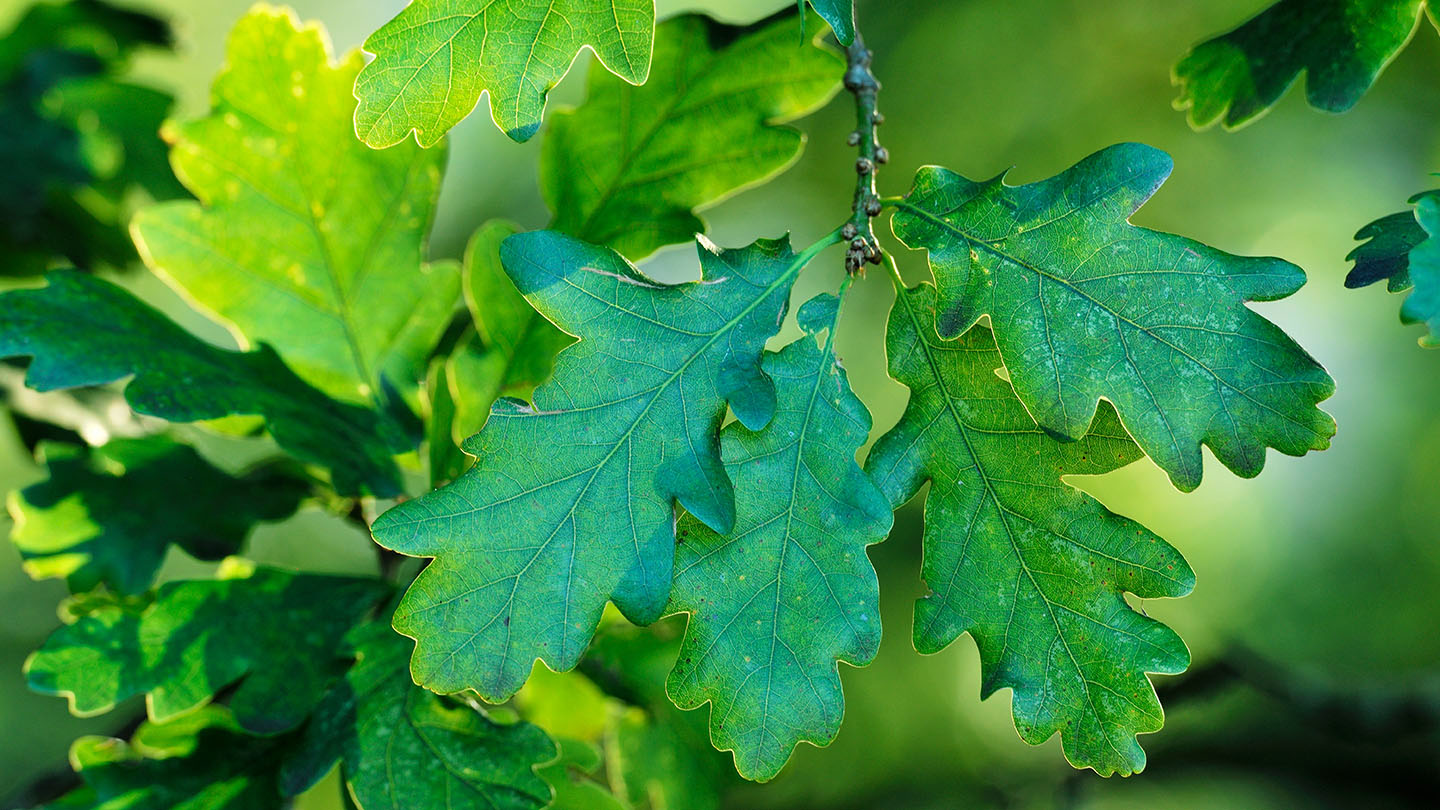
(861,83)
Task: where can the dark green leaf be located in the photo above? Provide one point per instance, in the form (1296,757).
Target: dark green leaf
(404,747)
(571,501)
(84,331)
(628,168)
(776,602)
(1034,569)
(433,61)
(1340,45)
(304,238)
(201,761)
(277,634)
(108,515)
(1086,305)
(1386,252)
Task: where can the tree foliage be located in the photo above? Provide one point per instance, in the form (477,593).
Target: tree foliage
(549,426)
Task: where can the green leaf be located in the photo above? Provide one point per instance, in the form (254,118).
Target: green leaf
(1034,569)
(108,515)
(202,760)
(776,602)
(654,768)
(273,632)
(521,342)
(1340,45)
(404,747)
(628,168)
(1386,251)
(575,779)
(77,142)
(571,501)
(304,238)
(434,60)
(840,14)
(178,377)
(1086,305)
(1423,305)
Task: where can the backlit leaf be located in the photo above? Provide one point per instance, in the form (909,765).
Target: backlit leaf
(303,237)
(1086,305)
(433,61)
(272,634)
(1340,45)
(178,377)
(571,501)
(1034,569)
(776,602)
(628,168)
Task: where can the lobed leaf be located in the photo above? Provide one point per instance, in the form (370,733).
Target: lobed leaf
(1340,45)
(629,167)
(571,501)
(1034,569)
(304,238)
(178,377)
(108,515)
(1423,305)
(273,633)
(434,60)
(203,760)
(1087,306)
(778,600)
(404,747)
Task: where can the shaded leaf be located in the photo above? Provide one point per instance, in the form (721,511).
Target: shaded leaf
(108,515)
(1340,45)
(202,760)
(1086,305)
(1385,253)
(576,780)
(571,501)
(628,168)
(178,377)
(1034,569)
(275,633)
(76,140)
(433,61)
(304,238)
(776,602)
(404,747)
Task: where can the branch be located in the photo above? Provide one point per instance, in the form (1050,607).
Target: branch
(861,83)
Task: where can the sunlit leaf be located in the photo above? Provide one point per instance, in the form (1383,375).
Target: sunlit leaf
(1087,306)
(84,331)
(108,515)
(777,601)
(271,634)
(1340,45)
(1034,569)
(304,238)
(628,168)
(433,61)
(571,501)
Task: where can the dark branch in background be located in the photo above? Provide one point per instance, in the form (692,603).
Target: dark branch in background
(862,84)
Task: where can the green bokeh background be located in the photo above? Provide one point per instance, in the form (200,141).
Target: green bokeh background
(1324,568)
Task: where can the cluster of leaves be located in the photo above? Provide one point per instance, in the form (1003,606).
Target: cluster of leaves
(79,139)
(595,463)
(1342,46)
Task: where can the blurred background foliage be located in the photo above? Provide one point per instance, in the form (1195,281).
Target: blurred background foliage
(1317,658)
